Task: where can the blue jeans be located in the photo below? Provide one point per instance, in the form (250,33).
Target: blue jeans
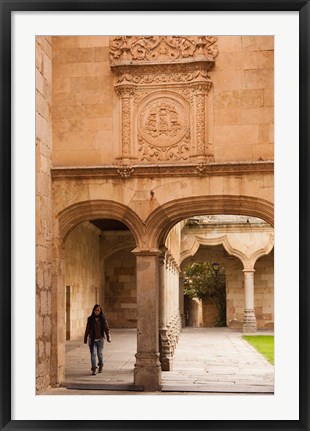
(97,350)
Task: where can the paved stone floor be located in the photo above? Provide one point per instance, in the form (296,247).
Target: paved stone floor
(206,360)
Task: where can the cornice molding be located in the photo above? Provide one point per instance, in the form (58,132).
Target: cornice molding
(198,170)
(137,50)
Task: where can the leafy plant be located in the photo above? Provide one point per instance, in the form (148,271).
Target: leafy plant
(202,281)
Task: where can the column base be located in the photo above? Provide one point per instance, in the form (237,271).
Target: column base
(166,364)
(147,372)
(249,322)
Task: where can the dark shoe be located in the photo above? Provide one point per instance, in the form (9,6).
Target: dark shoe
(94,371)
(100,369)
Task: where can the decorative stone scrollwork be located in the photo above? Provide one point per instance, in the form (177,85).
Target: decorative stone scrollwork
(163,83)
(126,93)
(125,171)
(201,169)
(149,49)
(166,75)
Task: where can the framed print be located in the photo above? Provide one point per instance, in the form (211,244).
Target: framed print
(141,153)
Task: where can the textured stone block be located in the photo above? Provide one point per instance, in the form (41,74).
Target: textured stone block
(42,106)
(77,70)
(263,152)
(83,84)
(227,116)
(45,45)
(237,134)
(102,53)
(257,43)
(269,97)
(66,99)
(229,80)
(257,115)
(239,99)
(229,44)
(61,85)
(258,79)
(74,55)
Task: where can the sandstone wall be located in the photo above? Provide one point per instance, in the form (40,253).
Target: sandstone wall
(83,277)
(86,108)
(120,291)
(82,101)
(243,98)
(43,210)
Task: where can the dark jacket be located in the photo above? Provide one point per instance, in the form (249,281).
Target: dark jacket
(90,328)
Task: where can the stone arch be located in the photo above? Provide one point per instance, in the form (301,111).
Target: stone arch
(160,221)
(248,261)
(79,212)
(116,249)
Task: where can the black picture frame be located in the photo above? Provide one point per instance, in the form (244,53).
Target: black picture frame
(7,7)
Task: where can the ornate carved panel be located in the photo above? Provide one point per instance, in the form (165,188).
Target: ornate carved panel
(161,48)
(163,83)
(163,128)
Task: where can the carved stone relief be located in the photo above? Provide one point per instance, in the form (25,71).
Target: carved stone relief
(163,128)
(163,83)
(161,48)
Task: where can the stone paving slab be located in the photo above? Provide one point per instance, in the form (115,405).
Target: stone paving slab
(206,360)
(218,389)
(105,387)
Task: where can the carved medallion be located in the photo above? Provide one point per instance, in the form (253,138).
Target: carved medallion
(163,122)
(164,87)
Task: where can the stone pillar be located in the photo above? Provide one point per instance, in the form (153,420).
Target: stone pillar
(249,318)
(200,93)
(147,371)
(126,93)
(162,292)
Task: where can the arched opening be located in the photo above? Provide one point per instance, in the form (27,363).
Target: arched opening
(236,245)
(204,284)
(158,255)
(100,269)
(96,266)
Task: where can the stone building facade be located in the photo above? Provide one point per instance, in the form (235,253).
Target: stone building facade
(134,136)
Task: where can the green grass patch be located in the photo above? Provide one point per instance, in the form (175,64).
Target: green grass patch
(264,344)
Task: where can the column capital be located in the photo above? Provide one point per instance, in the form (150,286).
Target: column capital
(125,90)
(146,252)
(248,270)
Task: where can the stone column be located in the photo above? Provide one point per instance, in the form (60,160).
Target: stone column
(200,93)
(249,318)
(162,290)
(126,93)
(147,371)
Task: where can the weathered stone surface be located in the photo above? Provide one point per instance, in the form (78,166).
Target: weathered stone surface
(148,145)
